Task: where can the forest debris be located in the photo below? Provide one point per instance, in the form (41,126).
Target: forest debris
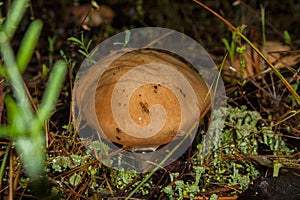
(87,16)
(280,56)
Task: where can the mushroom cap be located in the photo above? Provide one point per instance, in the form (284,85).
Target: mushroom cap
(141,99)
(146,98)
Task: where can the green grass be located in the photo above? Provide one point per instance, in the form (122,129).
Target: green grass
(25,125)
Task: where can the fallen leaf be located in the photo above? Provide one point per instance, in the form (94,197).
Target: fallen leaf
(278,54)
(87,16)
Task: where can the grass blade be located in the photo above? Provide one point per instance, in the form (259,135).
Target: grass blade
(284,81)
(15,78)
(14,17)
(52,91)
(28,45)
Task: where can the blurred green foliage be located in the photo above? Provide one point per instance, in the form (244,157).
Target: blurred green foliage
(25,126)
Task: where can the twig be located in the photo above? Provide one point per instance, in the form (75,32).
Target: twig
(284,81)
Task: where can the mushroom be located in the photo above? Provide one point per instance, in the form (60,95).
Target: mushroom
(143,99)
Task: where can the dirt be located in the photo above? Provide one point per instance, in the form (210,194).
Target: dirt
(284,187)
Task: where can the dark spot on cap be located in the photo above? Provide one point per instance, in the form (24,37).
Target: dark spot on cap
(144,107)
(118,130)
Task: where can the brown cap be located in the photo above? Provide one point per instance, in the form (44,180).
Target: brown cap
(146,98)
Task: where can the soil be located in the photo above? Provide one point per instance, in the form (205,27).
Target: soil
(284,187)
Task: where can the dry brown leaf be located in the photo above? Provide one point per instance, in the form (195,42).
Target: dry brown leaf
(87,17)
(280,55)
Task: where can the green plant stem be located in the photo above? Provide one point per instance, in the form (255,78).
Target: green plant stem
(33,148)
(292,114)
(219,75)
(52,91)
(28,45)
(284,81)
(26,127)
(5,131)
(276,169)
(148,176)
(15,78)
(4,163)
(14,17)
